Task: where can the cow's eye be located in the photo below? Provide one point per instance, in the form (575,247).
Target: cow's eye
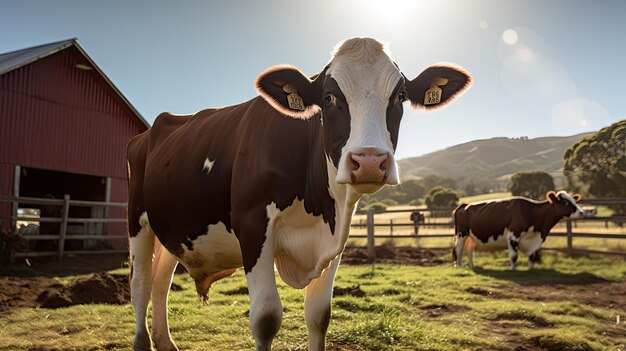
(330,99)
(402,97)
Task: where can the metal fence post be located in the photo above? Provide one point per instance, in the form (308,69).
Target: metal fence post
(568,226)
(66,211)
(371,247)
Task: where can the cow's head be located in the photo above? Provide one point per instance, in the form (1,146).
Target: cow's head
(565,204)
(360,95)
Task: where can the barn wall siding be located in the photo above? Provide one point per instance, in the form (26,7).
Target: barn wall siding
(55,116)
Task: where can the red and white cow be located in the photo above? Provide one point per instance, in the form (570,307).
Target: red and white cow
(273,181)
(516,223)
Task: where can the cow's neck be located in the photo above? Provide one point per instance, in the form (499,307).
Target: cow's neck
(547,217)
(321,185)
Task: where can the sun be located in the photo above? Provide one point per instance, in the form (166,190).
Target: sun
(390,10)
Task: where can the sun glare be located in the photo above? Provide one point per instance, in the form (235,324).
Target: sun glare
(510,37)
(401,9)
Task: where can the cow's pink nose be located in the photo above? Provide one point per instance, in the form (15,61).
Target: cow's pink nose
(369,166)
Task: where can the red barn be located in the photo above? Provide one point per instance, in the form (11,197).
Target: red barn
(64,127)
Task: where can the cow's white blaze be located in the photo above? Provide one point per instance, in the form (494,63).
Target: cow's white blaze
(208,165)
(366,79)
(579,212)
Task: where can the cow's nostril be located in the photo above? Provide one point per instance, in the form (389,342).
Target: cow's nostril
(354,163)
(384,166)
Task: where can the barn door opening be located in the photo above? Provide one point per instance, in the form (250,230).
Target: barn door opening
(40,183)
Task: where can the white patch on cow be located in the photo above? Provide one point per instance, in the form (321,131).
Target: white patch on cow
(216,251)
(264,300)
(529,241)
(579,212)
(141,253)
(492,243)
(367,77)
(208,165)
(304,245)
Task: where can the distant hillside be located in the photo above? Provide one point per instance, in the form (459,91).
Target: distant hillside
(490,163)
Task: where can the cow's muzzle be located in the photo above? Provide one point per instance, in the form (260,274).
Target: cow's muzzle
(368,165)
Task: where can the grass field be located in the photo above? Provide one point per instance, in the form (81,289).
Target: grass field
(565,304)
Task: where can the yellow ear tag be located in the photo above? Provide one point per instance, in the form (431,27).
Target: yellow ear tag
(433,95)
(293,99)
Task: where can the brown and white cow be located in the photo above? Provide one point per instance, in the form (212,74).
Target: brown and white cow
(272,182)
(517,223)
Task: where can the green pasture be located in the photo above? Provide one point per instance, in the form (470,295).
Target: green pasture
(405,308)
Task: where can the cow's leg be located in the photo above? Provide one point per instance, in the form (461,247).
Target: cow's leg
(319,294)
(141,250)
(162,273)
(513,243)
(470,256)
(457,252)
(266,311)
(533,258)
(531,263)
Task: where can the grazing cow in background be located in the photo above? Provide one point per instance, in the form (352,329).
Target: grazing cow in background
(273,181)
(517,223)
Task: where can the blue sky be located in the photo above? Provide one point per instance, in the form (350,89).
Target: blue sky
(540,67)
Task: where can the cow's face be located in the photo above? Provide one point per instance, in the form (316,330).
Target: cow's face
(565,204)
(360,95)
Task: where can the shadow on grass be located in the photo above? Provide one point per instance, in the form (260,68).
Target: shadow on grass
(541,277)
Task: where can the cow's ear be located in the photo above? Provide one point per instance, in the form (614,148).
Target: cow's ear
(551,196)
(289,91)
(577,197)
(438,85)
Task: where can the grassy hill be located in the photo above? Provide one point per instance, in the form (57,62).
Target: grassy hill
(491,162)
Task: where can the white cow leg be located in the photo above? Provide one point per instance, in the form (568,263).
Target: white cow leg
(266,310)
(141,249)
(513,243)
(458,249)
(162,273)
(319,294)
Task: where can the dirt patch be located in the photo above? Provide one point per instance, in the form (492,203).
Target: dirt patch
(98,288)
(352,291)
(436,310)
(18,292)
(610,295)
(506,338)
(396,255)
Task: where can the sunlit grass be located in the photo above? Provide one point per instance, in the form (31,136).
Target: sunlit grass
(405,308)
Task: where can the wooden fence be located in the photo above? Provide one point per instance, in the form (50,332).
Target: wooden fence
(439,218)
(446,224)
(62,237)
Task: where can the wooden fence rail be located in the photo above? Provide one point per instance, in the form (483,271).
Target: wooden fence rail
(371,224)
(64,221)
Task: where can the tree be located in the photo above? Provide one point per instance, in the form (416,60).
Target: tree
(596,165)
(441,197)
(430,181)
(532,184)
